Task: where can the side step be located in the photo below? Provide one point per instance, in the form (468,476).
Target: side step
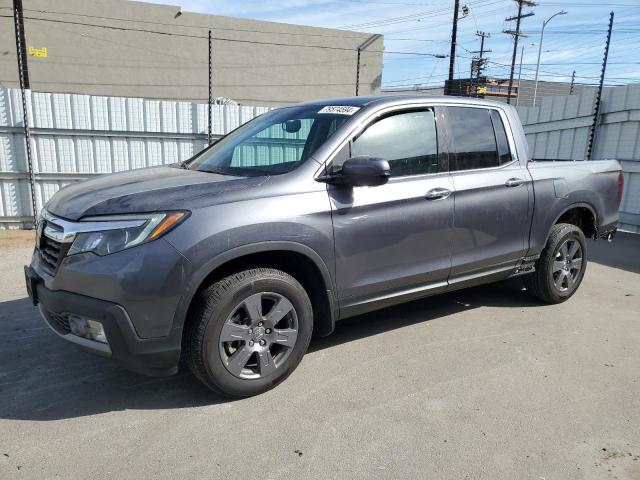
(528,265)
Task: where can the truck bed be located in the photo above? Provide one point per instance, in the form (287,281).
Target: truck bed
(561,184)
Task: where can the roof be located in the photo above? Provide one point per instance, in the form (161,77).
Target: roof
(380,100)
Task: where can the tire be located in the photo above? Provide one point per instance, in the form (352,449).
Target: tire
(262,316)
(561,266)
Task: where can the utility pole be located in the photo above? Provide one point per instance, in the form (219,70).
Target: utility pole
(358,72)
(573,81)
(362,46)
(452,56)
(592,131)
(519,75)
(516,34)
(23,74)
(477,63)
(210,104)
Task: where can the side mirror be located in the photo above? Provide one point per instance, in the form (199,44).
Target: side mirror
(292,126)
(360,172)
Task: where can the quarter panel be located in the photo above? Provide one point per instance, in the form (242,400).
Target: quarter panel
(560,186)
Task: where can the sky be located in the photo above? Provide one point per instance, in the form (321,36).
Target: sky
(572,41)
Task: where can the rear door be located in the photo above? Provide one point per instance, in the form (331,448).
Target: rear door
(393,242)
(493,195)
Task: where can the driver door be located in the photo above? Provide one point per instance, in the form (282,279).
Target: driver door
(393,242)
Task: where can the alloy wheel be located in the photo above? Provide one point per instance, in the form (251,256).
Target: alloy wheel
(259,335)
(567,264)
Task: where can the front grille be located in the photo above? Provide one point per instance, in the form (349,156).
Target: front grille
(50,253)
(60,322)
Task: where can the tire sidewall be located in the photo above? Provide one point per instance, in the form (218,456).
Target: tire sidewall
(213,363)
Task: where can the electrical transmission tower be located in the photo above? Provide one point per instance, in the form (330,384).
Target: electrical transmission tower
(516,34)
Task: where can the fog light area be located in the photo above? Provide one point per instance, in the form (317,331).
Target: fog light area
(87,328)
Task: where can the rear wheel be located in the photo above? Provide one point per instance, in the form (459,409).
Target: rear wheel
(561,266)
(249,332)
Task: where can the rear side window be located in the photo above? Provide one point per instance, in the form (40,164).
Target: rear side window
(504,154)
(473,139)
(406,140)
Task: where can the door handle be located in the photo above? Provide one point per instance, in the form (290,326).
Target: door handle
(514,182)
(437,193)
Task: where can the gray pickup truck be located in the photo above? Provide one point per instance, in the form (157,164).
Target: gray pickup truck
(304,216)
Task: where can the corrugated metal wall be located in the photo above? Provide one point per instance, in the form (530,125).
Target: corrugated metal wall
(559,128)
(77,136)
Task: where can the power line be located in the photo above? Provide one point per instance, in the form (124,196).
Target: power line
(184,35)
(412,17)
(436,55)
(174,25)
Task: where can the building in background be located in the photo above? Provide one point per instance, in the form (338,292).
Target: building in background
(135,49)
(496,89)
(430,91)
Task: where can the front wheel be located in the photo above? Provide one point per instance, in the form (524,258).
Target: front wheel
(561,266)
(249,332)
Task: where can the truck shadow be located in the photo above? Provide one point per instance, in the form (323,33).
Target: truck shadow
(623,252)
(43,378)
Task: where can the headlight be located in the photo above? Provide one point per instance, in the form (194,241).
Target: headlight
(115,233)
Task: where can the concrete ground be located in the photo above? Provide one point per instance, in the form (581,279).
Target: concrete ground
(481,384)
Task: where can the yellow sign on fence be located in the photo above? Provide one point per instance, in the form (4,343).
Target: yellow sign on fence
(38,52)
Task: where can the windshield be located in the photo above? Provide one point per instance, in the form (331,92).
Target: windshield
(273,143)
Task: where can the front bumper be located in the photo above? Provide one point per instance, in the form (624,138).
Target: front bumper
(149,356)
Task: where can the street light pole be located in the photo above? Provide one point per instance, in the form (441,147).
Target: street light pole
(544,24)
(520,76)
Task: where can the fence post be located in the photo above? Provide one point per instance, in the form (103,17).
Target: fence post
(24,86)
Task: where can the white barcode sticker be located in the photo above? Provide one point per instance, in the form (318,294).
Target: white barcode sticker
(339,109)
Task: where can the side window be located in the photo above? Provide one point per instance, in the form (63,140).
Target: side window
(504,154)
(473,139)
(406,140)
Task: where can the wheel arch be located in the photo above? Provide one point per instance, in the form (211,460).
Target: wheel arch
(299,260)
(581,214)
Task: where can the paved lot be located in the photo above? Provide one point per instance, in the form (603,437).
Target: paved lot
(479,384)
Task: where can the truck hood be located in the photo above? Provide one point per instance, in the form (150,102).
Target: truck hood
(150,190)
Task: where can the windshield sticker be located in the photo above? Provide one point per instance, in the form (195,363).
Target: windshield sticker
(340,109)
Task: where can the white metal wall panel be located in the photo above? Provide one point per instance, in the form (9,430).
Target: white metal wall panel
(185,120)
(138,155)
(559,128)
(120,153)
(84,155)
(81,112)
(42,110)
(168,116)
(118,113)
(103,155)
(152,115)
(135,114)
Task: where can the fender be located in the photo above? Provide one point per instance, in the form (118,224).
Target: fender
(588,206)
(205,270)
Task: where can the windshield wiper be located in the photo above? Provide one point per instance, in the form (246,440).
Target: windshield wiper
(216,171)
